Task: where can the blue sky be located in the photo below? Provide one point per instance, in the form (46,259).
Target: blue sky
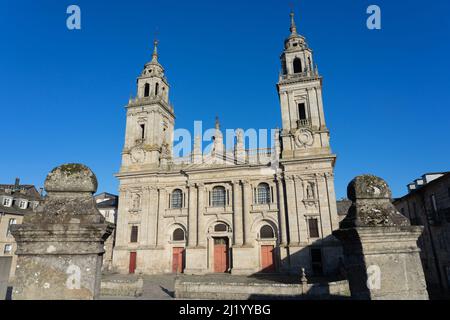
(62,93)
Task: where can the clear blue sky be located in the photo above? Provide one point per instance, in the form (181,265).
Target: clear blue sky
(62,93)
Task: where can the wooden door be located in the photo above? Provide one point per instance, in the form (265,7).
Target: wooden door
(177,260)
(132,267)
(221,255)
(267,259)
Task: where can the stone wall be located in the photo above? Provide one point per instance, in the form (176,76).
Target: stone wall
(271,291)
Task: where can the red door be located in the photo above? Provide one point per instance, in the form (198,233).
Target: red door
(177,260)
(220,255)
(267,260)
(132,267)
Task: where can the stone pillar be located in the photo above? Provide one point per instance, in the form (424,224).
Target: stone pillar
(294,238)
(152,220)
(201,232)
(247,196)
(162,198)
(282,212)
(381,256)
(60,245)
(192,216)
(237,215)
(196,255)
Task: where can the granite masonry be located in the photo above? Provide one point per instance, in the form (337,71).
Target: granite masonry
(381,256)
(61,245)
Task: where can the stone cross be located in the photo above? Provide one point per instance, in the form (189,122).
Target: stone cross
(381,256)
(61,244)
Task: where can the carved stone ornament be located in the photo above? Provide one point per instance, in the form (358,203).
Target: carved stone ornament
(137,155)
(304,138)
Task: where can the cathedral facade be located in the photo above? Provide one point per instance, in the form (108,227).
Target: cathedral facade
(240,211)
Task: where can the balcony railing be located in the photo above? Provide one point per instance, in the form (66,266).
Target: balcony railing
(302,123)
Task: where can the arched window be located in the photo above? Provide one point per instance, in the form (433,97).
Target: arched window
(218,197)
(297,65)
(146,90)
(176,200)
(178,235)
(220,227)
(263,193)
(266,232)
(156,89)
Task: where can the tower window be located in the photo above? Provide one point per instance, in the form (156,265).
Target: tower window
(302,111)
(156,89)
(297,65)
(134,234)
(313,228)
(142,131)
(316,261)
(146,90)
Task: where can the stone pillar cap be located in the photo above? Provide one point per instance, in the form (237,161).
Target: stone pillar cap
(72,177)
(368,187)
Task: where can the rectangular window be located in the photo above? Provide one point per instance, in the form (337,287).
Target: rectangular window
(134,234)
(316,261)
(10,223)
(7,202)
(433,203)
(302,111)
(8,249)
(23,204)
(143,132)
(313,228)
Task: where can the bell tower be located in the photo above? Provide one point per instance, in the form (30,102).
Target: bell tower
(304,132)
(150,119)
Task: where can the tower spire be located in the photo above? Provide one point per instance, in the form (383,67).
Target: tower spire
(293,26)
(155,51)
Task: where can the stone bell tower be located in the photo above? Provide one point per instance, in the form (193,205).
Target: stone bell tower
(150,119)
(304,131)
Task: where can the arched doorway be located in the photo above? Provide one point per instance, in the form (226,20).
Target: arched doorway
(219,235)
(178,250)
(268,241)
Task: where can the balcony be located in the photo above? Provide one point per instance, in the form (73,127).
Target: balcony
(303,123)
(309,74)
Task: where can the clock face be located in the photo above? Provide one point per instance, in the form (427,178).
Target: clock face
(137,155)
(304,138)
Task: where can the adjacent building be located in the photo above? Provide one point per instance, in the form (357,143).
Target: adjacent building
(242,211)
(107,204)
(15,201)
(428,203)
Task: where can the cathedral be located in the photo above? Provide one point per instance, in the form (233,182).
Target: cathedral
(240,211)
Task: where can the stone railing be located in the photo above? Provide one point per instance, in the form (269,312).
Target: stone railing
(137,102)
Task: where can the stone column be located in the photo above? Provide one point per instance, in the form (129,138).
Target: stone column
(161,209)
(192,216)
(237,215)
(201,232)
(247,197)
(152,219)
(302,228)
(282,212)
(381,256)
(61,244)
(292,211)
